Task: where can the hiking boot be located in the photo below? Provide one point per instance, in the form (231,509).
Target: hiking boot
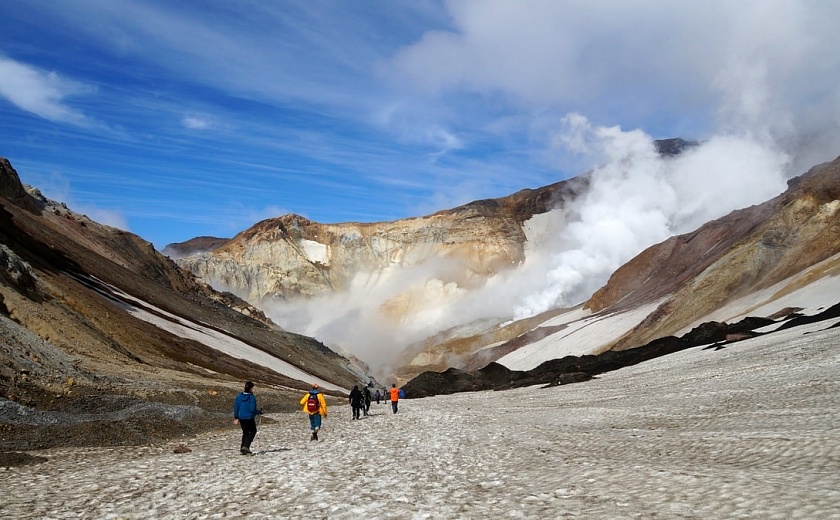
(245,451)
(314,437)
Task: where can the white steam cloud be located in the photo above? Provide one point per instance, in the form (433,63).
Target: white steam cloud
(636,198)
(639,198)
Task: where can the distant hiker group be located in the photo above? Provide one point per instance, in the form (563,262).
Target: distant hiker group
(359,401)
(314,405)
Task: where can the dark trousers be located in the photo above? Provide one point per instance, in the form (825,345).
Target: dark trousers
(249,431)
(356,409)
(394,406)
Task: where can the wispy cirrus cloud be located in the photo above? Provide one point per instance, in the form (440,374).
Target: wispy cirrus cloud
(381,109)
(41,92)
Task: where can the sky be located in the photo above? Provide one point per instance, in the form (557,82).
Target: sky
(181,119)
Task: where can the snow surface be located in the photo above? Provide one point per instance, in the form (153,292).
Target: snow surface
(813,298)
(583,333)
(214,339)
(750,431)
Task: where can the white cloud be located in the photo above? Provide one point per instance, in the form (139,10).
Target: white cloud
(196,122)
(755,66)
(40,92)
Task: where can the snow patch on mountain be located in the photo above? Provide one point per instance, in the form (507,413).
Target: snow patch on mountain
(315,251)
(214,339)
(812,299)
(584,333)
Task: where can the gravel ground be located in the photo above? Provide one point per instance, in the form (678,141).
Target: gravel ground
(750,431)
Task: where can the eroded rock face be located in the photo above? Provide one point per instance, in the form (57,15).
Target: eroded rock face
(10,185)
(290,256)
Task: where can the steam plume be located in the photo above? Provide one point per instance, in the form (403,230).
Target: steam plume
(636,198)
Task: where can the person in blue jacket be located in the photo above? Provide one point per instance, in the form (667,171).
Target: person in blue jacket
(245,412)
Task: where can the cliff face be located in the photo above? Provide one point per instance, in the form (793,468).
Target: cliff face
(290,256)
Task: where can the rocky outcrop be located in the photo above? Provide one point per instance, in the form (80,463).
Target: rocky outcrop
(10,186)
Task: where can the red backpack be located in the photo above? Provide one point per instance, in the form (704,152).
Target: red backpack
(312,403)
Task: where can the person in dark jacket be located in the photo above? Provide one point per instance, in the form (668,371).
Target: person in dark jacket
(366,393)
(377,396)
(244,414)
(357,400)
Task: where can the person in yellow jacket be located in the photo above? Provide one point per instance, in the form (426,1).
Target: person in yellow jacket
(315,405)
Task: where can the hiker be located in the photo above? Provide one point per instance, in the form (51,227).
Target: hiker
(395,397)
(356,401)
(244,414)
(366,393)
(377,396)
(315,405)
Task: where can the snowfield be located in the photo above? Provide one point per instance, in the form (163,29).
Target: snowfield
(214,339)
(749,431)
(584,334)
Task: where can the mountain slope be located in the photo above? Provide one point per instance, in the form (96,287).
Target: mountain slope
(738,255)
(89,313)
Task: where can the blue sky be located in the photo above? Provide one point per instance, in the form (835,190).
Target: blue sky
(181,119)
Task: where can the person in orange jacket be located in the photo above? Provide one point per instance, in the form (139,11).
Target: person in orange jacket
(395,397)
(315,405)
